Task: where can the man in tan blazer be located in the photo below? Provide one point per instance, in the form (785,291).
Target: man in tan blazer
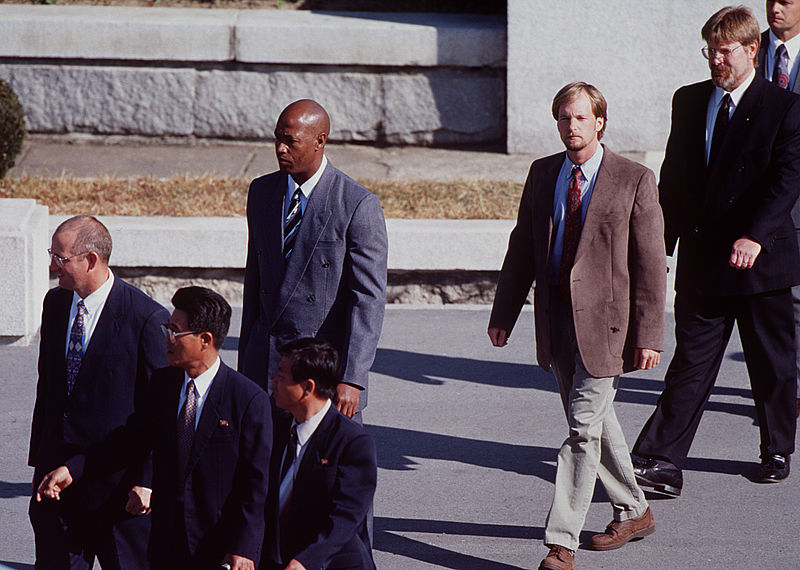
(589,234)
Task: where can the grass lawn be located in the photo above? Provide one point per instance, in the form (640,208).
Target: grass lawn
(220,196)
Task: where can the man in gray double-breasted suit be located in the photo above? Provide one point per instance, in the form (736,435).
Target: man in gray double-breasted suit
(589,234)
(316,259)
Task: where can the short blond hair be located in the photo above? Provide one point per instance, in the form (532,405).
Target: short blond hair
(572,90)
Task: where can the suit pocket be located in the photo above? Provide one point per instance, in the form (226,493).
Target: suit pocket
(617,313)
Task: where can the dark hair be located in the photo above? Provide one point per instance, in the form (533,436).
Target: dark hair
(207,310)
(315,359)
(90,235)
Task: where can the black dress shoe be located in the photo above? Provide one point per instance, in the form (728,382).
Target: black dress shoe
(773,469)
(663,477)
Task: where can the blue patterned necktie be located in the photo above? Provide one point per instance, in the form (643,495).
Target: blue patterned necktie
(76,348)
(292,224)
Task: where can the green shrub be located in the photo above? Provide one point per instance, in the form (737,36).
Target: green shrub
(12,127)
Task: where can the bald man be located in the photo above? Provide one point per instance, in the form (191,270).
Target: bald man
(316,259)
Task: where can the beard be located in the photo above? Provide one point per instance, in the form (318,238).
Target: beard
(722,77)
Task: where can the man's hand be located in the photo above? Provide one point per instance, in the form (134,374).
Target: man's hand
(499,337)
(744,253)
(347,399)
(139,500)
(645,359)
(53,483)
(294,565)
(238,562)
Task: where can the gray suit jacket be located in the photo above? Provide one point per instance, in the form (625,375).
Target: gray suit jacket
(762,69)
(618,281)
(333,286)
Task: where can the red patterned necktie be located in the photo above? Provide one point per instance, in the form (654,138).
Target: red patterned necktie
(780,73)
(572,229)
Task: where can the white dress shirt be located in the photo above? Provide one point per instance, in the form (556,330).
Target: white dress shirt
(94,303)
(201,385)
(715,102)
(305,190)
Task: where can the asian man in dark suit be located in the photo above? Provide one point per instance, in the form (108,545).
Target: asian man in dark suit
(100,344)
(778,61)
(730,177)
(323,472)
(316,259)
(210,432)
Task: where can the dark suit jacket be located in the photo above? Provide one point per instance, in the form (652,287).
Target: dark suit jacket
(749,190)
(762,69)
(333,489)
(126,347)
(334,285)
(618,280)
(226,484)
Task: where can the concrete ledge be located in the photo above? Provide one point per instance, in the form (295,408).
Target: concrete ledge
(251,36)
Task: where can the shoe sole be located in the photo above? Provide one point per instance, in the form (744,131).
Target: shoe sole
(638,535)
(662,488)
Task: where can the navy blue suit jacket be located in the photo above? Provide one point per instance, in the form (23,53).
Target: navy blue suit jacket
(326,521)
(225,489)
(749,190)
(126,347)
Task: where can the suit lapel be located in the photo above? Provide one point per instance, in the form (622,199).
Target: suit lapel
(273,215)
(315,219)
(104,335)
(61,324)
(543,200)
(316,450)
(209,416)
(601,201)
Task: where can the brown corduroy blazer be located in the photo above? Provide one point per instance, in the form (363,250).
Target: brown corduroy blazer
(618,280)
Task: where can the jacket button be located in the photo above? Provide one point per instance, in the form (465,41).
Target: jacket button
(311,298)
(325,265)
(66,415)
(697,229)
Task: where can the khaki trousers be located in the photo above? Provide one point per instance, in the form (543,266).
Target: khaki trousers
(595,445)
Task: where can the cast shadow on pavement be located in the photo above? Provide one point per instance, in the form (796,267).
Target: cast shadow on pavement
(6,565)
(387,540)
(10,490)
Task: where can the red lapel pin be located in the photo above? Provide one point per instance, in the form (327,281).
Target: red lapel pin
(223,423)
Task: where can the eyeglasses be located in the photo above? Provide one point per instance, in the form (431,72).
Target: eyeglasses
(61,261)
(171,335)
(710,53)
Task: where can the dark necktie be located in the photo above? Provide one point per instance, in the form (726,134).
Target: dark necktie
(292,224)
(720,127)
(76,348)
(572,229)
(780,73)
(186,431)
(285,491)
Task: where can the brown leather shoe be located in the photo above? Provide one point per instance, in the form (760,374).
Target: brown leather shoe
(559,558)
(619,532)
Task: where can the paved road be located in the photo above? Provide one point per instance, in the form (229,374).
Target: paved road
(467,440)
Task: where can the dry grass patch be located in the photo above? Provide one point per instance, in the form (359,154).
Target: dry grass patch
(222,196)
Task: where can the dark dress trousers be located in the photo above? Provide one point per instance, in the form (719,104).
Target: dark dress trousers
(749,190)
(218,507)
(325,525)
(125,348)
(333,286)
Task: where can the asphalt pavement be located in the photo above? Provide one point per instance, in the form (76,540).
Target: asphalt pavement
(467,438)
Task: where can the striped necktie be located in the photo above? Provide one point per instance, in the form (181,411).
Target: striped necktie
(292,224)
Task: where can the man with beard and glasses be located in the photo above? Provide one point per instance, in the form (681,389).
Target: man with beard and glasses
(777,60)
(730,177)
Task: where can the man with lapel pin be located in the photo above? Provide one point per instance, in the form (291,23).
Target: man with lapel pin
(100,343)
(210,432)
(323,472)
(730,177)
(778,61)
(589,235)
(316,259)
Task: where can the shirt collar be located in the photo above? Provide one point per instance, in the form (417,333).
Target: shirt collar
(306,429)
(95,300)
(792,46)
(589,167)
(736,94)
(203,381)
(309,184)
